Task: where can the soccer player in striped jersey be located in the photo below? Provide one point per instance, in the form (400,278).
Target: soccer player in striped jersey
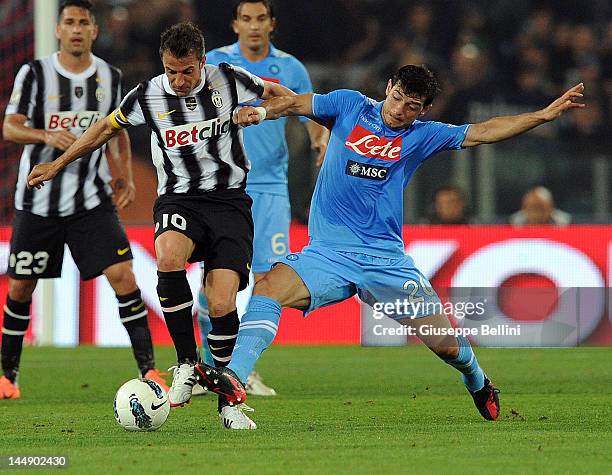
(55,99)
(356,217)
(254,22)
(203,212)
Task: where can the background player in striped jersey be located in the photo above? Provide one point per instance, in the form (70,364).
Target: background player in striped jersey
(54,100)
(203,212)
(266,146)
(356,217)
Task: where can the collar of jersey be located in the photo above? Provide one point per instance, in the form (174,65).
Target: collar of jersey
(74,76)
(236,51)
(169,90)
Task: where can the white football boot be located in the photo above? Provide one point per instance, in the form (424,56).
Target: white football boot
(199,390)
(256,387)
(182,384)
(233,417)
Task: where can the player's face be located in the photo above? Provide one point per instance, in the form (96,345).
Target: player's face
(184,74)
(400,109)
(254,26)
(76,31)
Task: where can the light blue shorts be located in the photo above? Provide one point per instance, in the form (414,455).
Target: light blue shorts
(272,216)
(333,276)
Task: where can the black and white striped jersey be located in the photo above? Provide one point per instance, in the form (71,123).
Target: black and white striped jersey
(195,146)
(55,99)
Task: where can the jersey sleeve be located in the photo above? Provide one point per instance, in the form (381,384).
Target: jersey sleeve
(214,57)
(301,82)
(441,136)
(331,105)
(129,112)
(119,92)
(23,97)
(248,86)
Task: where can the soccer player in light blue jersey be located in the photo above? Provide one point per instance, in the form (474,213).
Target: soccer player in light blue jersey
(266,148)
(356,215)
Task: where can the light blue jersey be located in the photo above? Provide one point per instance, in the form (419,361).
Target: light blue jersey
(357,205)
(265,144)
(355,228)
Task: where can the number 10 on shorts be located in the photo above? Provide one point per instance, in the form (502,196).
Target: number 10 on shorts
(176,220)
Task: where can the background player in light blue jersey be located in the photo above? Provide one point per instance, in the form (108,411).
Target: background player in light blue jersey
(356,217)
(266,148)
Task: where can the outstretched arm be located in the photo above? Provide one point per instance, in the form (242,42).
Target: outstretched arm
(272,89)
(502,128)
(274,108)
(92,139)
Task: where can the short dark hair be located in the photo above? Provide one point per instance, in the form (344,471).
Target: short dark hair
(181,39)
(86,4)
(267,3)
(418,80)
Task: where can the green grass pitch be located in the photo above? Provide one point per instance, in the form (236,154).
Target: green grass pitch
(339,410)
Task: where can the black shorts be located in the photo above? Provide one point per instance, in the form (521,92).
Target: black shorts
(218,222)
(95,238)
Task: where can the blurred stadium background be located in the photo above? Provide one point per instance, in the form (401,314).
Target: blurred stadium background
(493,57)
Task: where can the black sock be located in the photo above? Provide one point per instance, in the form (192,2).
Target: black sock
(16,321)
(133,315)
(221,340)
(176,301)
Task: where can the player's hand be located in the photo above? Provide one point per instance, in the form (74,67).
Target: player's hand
(320,146)
(61,140)
(567,101)
(124,192)
(41,173)
(247,115)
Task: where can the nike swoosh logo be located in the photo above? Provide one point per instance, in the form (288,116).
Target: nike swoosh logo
(156,407)
(161,115)
(163,299)
(133,309)
(121,252)
(53,98)
(219,348)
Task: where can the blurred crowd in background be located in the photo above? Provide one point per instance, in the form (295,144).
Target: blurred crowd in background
(493,57)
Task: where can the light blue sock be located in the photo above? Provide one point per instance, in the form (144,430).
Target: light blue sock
(257,331)
(205,327)
(467,364)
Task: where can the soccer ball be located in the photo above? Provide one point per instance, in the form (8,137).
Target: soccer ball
(141,405)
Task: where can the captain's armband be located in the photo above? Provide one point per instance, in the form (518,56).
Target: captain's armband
(118,120)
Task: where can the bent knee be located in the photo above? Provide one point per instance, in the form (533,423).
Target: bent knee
(262,287)
(446,352)
(170,262)
(121,278)
(287,289)
(21,290)
(220,307)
